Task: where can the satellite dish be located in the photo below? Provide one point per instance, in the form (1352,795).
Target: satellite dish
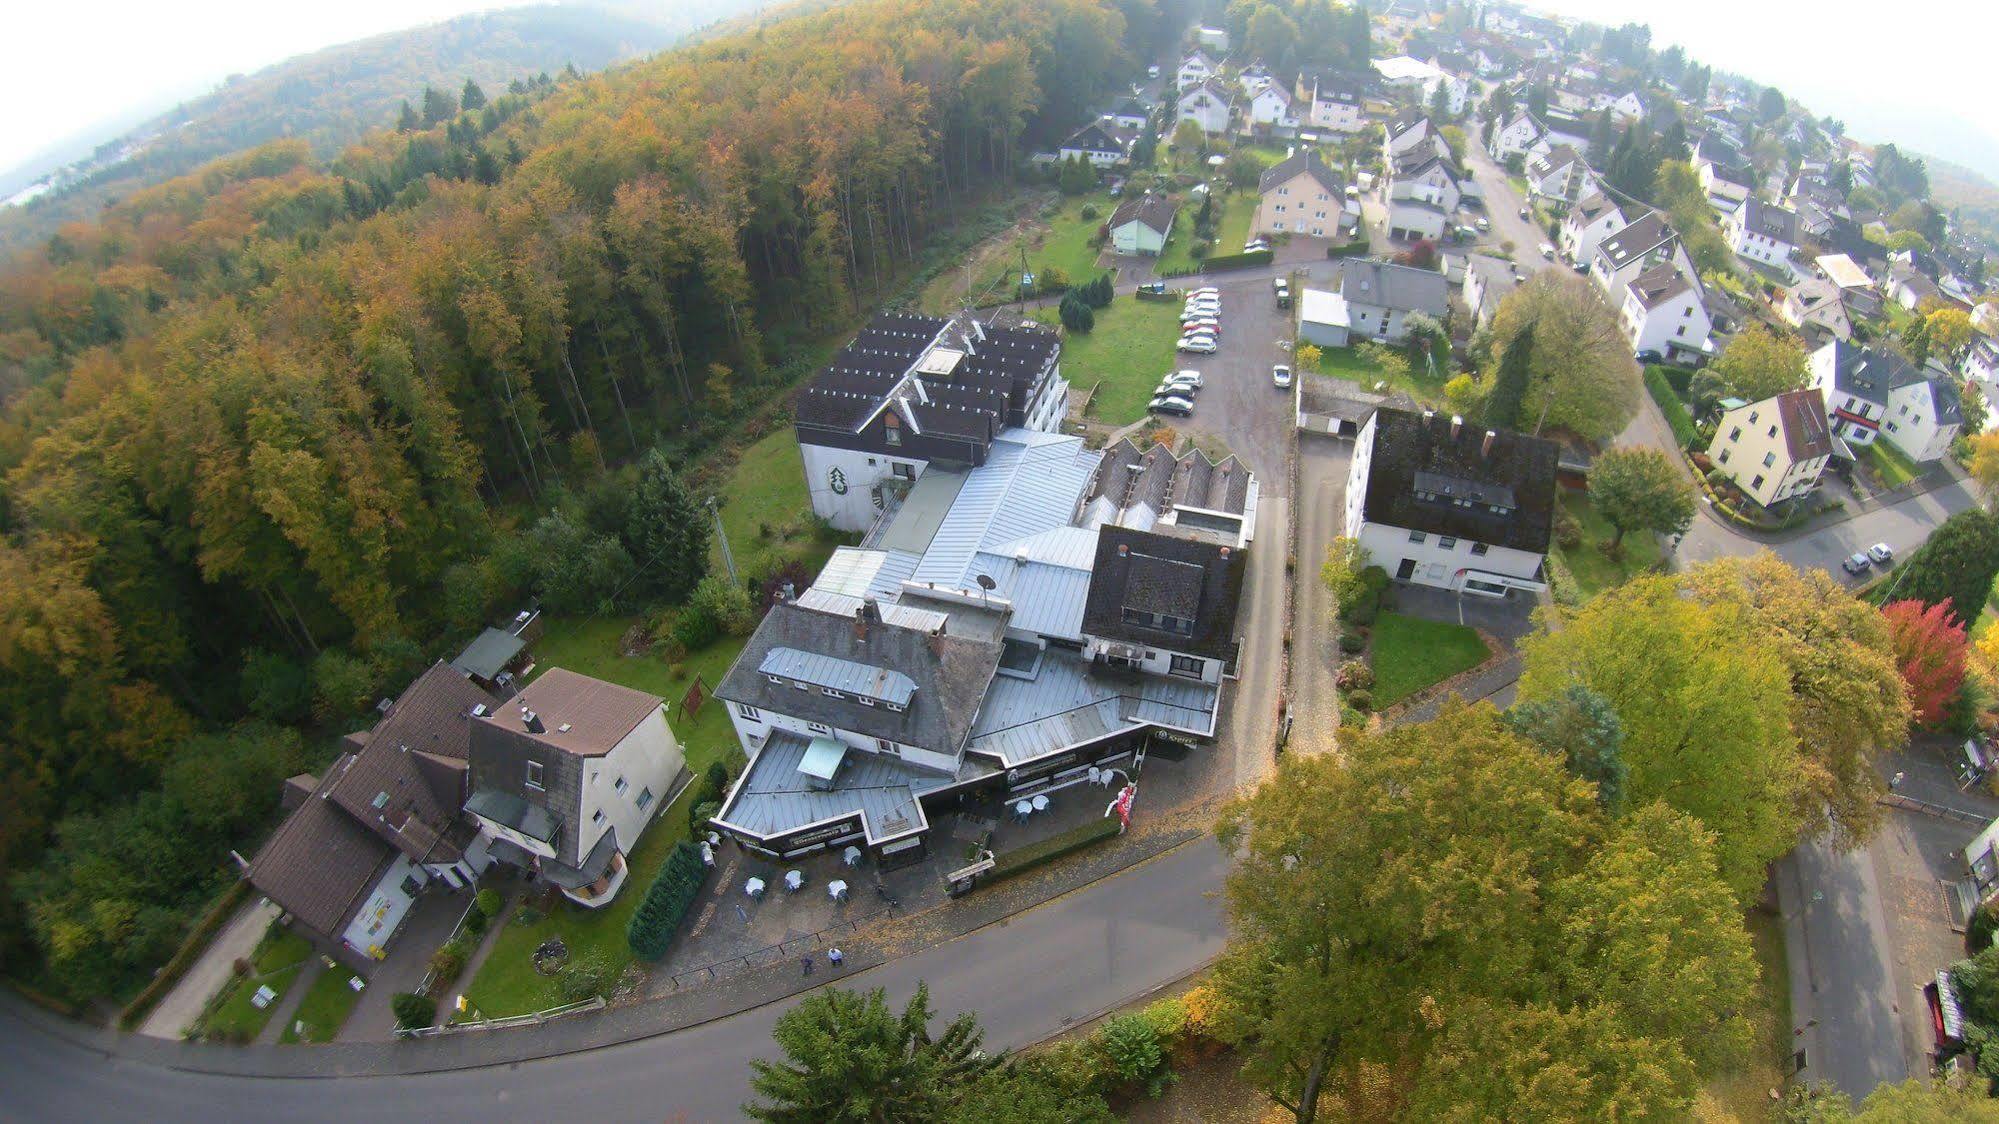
(986,583)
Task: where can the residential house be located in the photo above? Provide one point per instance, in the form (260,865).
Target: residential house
(1333,101)
(1516,137)
(1635,248)
(1215,37)
(1096,143)
(1985,317)
(1270,112)
(1009,630)
(1198,67)
(1487,282)
(1925,415)
(1775,449)
(1724,173)
(1857,290)
(1586,225)
(1130,115)
(1908,287)
(1556,176)
(1253,77)
(1981,359)
(1626,107)
(1300,195)
(1817,308)
(1141,225)
(1663,314)
(1763,233)
(1422,80)
(1380,297)
(497,655)
(1406,135)
(567,775)
(1440,503)
(912,389)
(1208,104)
(1323,319)
(1423,189)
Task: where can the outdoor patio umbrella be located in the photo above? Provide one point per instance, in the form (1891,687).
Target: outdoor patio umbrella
(837,890)
(793,880)
(754,887)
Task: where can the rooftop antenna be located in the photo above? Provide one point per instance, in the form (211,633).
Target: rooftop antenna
(986,586)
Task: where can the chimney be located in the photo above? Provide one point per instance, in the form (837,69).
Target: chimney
(532,721)
(790,592)
(1457,423)
(1485,447)
(871,609)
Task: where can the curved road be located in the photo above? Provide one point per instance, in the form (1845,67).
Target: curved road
(1026,977)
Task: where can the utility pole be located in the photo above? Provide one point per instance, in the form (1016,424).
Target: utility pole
(722,532)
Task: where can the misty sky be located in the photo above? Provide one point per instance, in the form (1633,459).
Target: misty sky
(1919,73)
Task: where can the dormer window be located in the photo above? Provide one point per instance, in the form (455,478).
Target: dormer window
(832,694)
(897,707)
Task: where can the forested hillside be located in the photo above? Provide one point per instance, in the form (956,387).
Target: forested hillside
(331,98)
(270,428)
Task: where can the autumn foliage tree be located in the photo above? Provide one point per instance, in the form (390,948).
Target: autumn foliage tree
(1581,376)
(1930,650)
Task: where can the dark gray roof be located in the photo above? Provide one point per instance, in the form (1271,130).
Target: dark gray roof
(1408,446)
(1659,284)
(319,863)
(1868,373)
(1154,211)
(1946,405)
(1094,137)
(1305,162)
(950,673)
(1182,577)
(1639,237)
(982,394)
(589,870)
(1395,286)
(831,673)
(511,810)
(1779,223)
(774,797)
(489,653)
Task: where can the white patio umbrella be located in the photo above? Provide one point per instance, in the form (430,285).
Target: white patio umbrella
(754,887)
(1041,803)
(837,890)
(1022,808)
(851,856)
(793,880)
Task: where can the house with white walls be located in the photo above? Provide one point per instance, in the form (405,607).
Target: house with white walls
(1664,314)
(1775,449)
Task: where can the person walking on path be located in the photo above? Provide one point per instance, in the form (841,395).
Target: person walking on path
(835,956)
(1895,781)
(805,964)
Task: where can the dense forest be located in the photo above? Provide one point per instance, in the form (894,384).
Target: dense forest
(270,429)
(333,97)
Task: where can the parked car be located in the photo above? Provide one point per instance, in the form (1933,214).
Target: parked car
(1882,553)
(1857,564)
(1483,223)
(1177,405)
(1205,327)
(1153,288)
(1254,245)
(1205,291)
(1281,375)
(1649,357)
(1200,312)
(1203,345)
(1188,376)
(1547,251)
(1526,212)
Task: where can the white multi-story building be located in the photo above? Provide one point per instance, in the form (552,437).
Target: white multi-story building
(1663,314)
(1438,502)
(1763,233)
(1775,449)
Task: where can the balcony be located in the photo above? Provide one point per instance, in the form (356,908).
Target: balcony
(598,894)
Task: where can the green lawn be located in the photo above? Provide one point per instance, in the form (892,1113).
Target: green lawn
(325,1007)
(1126,354)
(1064,244)
(590,645)
(1348,363)
(279,958)
(1411,654)
(1891,466)
(1593,570)
(1179,251)
(1234,230)
(1067,245)
(767,512)
(507,983)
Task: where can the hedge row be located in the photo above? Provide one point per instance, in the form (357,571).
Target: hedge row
(1354,249)
(184,956)
(1681,379)
(1675,410)
(666,902)
(1237,261)
(1052,848)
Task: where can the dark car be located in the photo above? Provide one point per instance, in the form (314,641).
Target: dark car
(1857,564)
(1153,288)
(1173,404)
(1650,357)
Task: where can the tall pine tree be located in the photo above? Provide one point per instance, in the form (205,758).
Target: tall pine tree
(1509,386)
(667,533)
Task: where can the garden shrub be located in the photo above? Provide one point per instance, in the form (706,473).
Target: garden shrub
(586,978)
(667,900)
(489,903)
(1978,930)
(413,1011)
(1361,700)
(446,963)
(1132,1054)
(1052,848)
(1568,530)
(476,921)
(528,915)
(699,815)
(1354,675)
(1352,642)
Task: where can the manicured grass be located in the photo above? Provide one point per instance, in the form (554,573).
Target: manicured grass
(1410,654)
(1348,363)
(767,512)
(1593,570)
(1179,251)
(1126,354)
(1059,238)
(507,983)
(1744,1094)
(277,962)
(1067,245)
(325,1007)
(1234,230)
(1891,466)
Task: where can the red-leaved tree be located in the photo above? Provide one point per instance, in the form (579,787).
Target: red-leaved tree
(1929,650)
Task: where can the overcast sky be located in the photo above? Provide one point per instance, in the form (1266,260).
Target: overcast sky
(1919,73)
(69,65)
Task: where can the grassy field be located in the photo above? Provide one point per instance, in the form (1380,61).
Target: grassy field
(1179,251)
(767,512)
(1593,570)
(1411,654)
(325,1007)
(1059,237)
(279,958)
(1891,466)
(590,645)
(1234,230)
(1127,352)
(1744,1095)
(507,983)
(1349,363)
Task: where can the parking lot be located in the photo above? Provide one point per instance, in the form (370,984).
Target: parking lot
(1238,404)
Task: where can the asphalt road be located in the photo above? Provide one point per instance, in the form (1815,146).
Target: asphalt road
(1322,487)
(1843,994)
(1027,977)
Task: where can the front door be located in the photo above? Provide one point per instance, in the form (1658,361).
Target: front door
(1406,571)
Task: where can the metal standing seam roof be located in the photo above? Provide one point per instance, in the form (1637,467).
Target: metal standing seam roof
(824,671)
(1025,487)
(1069,702)
(489,653)
(776,798)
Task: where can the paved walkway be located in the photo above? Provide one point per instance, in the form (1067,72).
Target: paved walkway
(288,1003)
(236,941)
